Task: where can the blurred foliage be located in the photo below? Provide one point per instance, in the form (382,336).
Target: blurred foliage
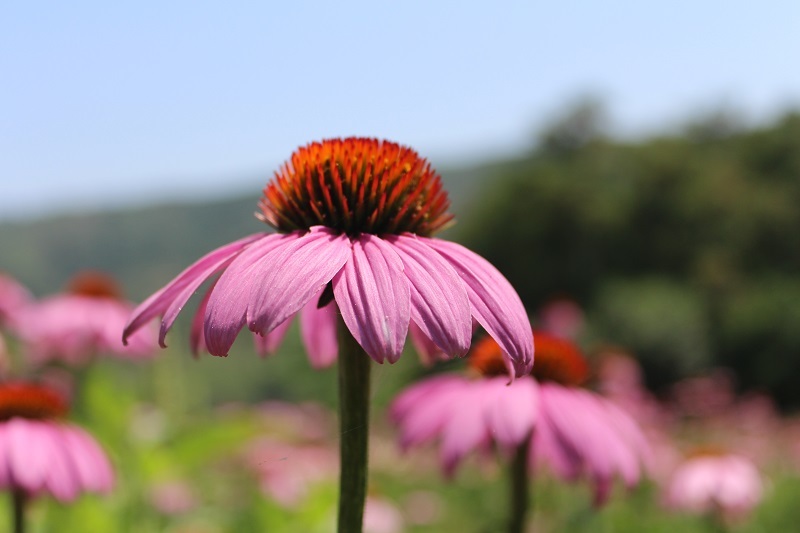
(683,247)
(666,322)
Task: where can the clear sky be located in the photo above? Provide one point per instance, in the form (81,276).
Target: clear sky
(108,103)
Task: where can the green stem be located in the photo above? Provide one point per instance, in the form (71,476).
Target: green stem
(519,497)
(354,394)
(18,499)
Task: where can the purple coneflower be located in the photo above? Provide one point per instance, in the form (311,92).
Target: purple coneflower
(42,454)
(354,220)
(722,485)
(544,418)
(82,322)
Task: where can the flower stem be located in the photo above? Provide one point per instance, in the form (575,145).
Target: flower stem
(354,395)
(18,499)
(520,497)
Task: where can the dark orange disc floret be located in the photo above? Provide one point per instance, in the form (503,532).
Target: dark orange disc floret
(356,185)
(486,358)
(556,359)
(94,285)
(29,400)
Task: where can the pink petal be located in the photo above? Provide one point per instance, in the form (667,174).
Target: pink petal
(494,303)
(29,451)
(465,428)
(292,274)
(197,338)
(634,439)
(61,481)
(267,344)
(439,301)
(226,308)
(425,421)
(90,464)
(5,479)
(318,330)
(195,274)
(513,410)
(568,413)
(548,447)
(373,296)
(618,456)
(581,420)
(415,396)
(428,352)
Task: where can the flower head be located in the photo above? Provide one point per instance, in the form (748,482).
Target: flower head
(40,453)
(354,220)
(83,321)
(711,481)
(356,186)
(574,431)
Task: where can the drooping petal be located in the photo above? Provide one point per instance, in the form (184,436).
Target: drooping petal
(90,463)
(568,414)
(630,432)
(29,451)
(439,302)
(494,303)
(267,344)
(465,429)
(432,412)
(292,273)
(513,410)
(4,460)
(549,447)
(415,396)
(195,274)
(428,352)
(582,423)
(226,309)
(197,338)
(373,296)
(60,481)
(318,330)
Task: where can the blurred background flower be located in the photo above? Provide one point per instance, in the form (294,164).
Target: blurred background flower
(726,484)
(81,323)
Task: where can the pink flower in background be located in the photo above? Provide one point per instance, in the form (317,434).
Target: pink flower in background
(354,218)
(572,430)
(287,472)
(381,516)
(720,483)
(620,379)
(76,325)
(13,297)
(304,421)
(562,318)
(706,395)
(40,454)
(172,498)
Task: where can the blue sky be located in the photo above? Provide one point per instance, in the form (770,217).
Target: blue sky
(110,103)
